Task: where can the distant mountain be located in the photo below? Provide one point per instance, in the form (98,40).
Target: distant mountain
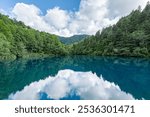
(73,39)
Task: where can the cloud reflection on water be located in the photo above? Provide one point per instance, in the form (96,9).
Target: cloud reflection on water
(67,84)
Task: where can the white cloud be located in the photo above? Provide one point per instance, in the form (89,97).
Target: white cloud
(86,85)
(57,17)
(93,10)
(3,11)
(123,7)
(92,16)
(30,15)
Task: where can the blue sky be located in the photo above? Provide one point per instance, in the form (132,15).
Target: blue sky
(70,5)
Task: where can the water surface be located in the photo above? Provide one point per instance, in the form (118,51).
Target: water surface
(131,75)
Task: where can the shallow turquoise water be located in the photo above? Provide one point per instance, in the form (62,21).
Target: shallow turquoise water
(132,75)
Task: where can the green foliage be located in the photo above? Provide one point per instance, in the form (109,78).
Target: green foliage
(129,37)
(20,41)
(5,46)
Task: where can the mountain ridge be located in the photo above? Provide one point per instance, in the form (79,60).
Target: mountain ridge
(72,39)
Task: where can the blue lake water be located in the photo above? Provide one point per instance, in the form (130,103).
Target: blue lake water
(76,77)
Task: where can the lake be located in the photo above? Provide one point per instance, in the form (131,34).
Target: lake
(75,78)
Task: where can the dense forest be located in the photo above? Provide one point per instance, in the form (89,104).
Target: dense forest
(20,41)
(129,37)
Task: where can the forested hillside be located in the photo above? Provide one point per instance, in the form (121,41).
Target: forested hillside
(72,39)
(20,41)
(129,37)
